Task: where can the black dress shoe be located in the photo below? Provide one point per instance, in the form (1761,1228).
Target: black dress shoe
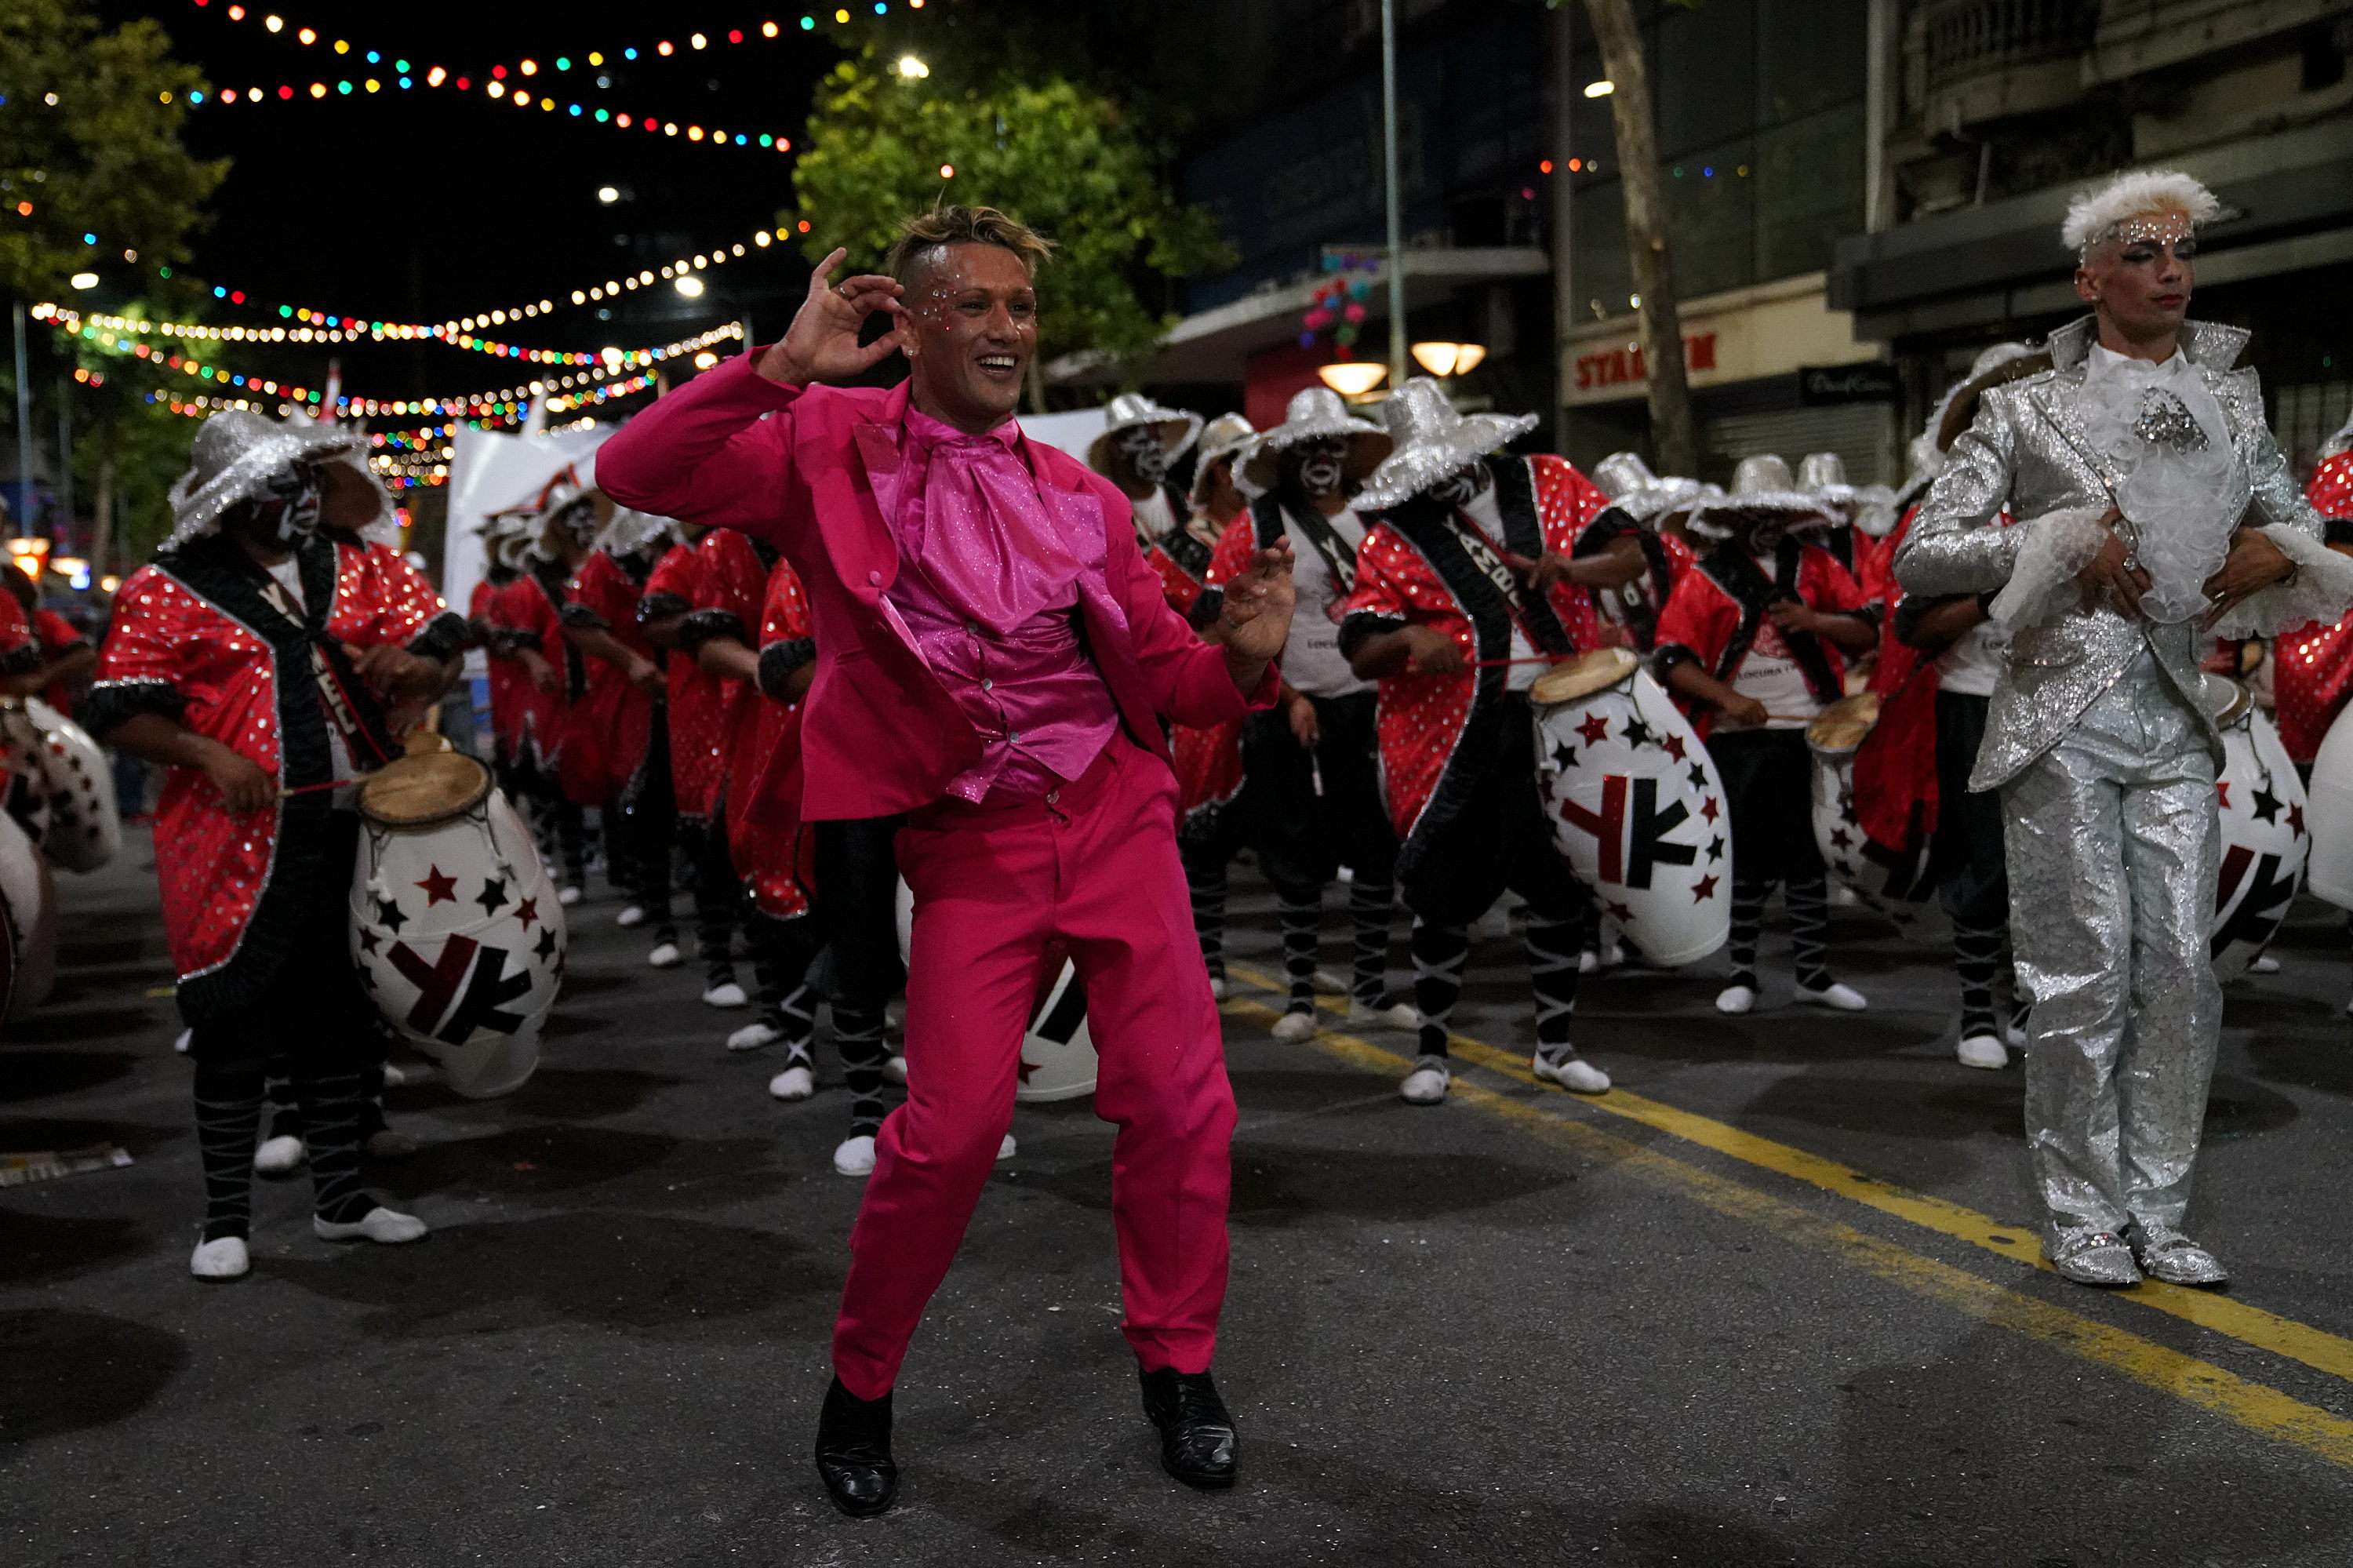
(853,1452)
(1197,1434)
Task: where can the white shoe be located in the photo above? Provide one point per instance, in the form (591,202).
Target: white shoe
(1735,999)
(2014,1029)
(222,1260)
(1592,960)
(1981,1051)
(1574,1073)
(1330,985)
(727,993)
(279,1156)
(1294,1026)
(2264,964)
(568,896)
(1844,997)
(665,956)
(854,1157)
(1426,1084)
(402,1076)
(1396,1016)
(1009,1148)
(378,1224)
(894,1069)
(630,914)
(793,1084)
(1218,987)
(753,1036)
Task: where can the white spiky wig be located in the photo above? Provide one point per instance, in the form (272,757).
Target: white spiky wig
(2095,211)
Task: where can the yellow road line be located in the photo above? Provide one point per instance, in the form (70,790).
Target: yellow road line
(2315,1348)
(2253,1406)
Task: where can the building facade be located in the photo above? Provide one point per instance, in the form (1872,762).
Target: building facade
(1994,112)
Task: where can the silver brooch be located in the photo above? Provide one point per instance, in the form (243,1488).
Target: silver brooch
(2166,421)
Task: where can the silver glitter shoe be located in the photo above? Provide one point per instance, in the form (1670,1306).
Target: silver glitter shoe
(2166,1254)
(2091,1257)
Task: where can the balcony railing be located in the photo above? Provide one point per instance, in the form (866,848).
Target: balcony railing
(1965,38)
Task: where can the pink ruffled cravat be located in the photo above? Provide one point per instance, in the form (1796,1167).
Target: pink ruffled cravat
(988,585)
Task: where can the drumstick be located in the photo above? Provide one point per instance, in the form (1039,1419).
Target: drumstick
(330,784)
(1498,663)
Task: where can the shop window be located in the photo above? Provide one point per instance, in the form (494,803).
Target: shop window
(1809,190)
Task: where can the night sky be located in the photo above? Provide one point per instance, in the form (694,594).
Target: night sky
(430,205)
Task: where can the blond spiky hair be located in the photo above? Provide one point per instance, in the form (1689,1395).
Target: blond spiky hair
(2095,211)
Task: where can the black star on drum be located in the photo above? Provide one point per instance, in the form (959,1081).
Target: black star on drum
(389,914)
(494,896)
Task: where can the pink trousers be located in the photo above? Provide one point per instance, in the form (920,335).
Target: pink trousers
(1002,896)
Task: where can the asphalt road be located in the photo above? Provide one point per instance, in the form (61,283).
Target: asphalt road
(1768,1303)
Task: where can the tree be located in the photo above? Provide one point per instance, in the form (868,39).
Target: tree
(89,143)
(1058,156)
(1673,437)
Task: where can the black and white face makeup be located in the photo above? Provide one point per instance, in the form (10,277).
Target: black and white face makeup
(1323,465)
(1464,485)
(1146,457)
(577,522)
(287,510)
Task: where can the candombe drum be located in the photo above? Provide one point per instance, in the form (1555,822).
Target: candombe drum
(84,831)
(1057,1056)
(1893,879)
(2264,841)
(1636,804)
(28,936)
(2328,868)
(455,924)
(24,776)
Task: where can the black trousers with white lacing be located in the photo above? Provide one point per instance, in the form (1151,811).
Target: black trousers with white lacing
(1972,875)
(317,1025)
(1314,811)
(1768,780)
(1497,840)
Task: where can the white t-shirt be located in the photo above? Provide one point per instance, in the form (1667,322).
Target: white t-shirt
(1769,673)
(1525,667)
(1153,517)
(1971,663)
(289,573)
(1310,659)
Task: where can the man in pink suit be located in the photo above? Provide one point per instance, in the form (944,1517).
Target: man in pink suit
(994,661)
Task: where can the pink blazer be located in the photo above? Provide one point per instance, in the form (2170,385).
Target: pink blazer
(798,466)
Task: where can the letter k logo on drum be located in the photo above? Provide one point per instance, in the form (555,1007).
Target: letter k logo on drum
(438,982)
(1633,840)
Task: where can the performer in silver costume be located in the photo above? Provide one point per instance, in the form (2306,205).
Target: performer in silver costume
(2152,509)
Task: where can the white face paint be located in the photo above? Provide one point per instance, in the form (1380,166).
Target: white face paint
(287,512)
(1462,486)
(1146,457)
(1323,466)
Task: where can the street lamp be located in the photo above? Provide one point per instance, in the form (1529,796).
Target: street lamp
(84,279)
(1351,378)
(690,285)
(1445,359)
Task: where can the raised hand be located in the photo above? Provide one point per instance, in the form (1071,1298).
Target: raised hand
(1258,606)
(821,346)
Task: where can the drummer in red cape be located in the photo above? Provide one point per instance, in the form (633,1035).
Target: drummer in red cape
(1467,585)
(995,662)
(254,659)
(1756,640)
(2313,665)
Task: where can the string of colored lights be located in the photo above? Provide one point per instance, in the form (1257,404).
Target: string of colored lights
(104,330)
(498,84)
(560,390)
(594,58)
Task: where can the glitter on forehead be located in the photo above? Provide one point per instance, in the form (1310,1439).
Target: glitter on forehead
(2165,226)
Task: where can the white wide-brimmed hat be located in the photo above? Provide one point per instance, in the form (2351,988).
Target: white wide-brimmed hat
(631,531)
(235,451)
(1177,428)
(1225,436)
(1870,508)
(1432,441)
(1763,490)
(1317,411)
(1642,495)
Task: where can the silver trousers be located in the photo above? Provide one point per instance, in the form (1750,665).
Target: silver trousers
(2112,842)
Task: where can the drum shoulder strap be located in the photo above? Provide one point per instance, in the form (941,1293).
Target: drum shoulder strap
(1443,551)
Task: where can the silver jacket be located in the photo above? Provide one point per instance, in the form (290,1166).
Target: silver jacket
(2027,453)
